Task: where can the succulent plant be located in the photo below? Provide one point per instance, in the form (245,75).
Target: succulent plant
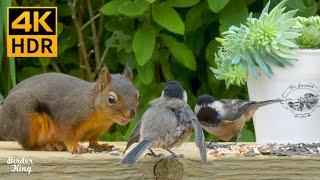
(310,32)
(253,46)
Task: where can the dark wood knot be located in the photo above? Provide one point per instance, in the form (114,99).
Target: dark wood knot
(168,168)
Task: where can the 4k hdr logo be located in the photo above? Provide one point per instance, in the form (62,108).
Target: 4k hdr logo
(32,32)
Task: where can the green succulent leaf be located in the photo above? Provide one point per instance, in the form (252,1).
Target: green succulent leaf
(180,51)
(310,32)
(143,44)
(167,17)
(252,46)
(217,5)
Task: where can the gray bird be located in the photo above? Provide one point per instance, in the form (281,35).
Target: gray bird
(225,118)
(168,123)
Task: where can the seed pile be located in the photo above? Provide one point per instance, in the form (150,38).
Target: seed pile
(302,149)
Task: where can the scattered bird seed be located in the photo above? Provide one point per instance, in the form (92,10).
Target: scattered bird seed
(114,153)
(301,149)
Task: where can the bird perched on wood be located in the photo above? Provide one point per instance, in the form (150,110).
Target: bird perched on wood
(168,123)
(225,118)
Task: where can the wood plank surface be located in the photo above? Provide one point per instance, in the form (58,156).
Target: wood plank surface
(64,165)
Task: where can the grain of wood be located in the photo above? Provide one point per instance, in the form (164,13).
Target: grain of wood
(63,165)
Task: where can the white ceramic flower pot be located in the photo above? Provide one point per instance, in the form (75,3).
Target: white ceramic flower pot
(297,119)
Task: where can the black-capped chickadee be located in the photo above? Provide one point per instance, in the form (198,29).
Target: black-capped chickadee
(225,118)
(168,123)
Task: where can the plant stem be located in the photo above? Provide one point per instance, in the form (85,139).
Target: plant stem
(92,19)
(100,30)
(55,67)
(72,6)
(94,35)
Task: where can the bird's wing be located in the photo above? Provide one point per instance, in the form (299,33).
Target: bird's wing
(133,156)
(184,113)
(135,136)
(234,108)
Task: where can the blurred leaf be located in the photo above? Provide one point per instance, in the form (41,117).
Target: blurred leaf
(133,8)
(121,41)
(217,5)
(63,10)
(60,28)
(45,61)
(67,39)
(197,17)
(195,41)
(180,51)
(227,18)
(167,17)
(181,3)
(304,8)
(12,68)
(143,44)
(151,1)
(27,72)
(111,8)
(74,72)
(119,23)
(166,70)
(146,72)
(1,97)
(247,136)
(211,50)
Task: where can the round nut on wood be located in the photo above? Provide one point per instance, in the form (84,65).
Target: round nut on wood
(168,168)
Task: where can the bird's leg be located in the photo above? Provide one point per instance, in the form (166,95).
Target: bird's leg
(153,154)
(238,135)
(174,155)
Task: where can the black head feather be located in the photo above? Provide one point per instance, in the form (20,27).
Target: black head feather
(208,116)
(205,99)
(173,89)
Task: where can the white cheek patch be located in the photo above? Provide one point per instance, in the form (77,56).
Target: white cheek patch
(185,96)
(197,109)
(219,107)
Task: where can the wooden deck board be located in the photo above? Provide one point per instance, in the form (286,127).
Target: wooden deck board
(64,165)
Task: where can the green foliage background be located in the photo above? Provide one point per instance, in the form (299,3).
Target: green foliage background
(160,40)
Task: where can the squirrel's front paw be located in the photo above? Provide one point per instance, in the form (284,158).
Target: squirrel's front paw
(101,147)
(80,150)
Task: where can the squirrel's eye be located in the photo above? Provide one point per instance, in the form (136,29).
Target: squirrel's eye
(112,98)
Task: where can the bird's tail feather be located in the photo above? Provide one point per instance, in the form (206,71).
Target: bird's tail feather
(133,156)
(264,103)
(199,137)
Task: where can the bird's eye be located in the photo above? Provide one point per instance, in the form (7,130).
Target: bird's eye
(112,98)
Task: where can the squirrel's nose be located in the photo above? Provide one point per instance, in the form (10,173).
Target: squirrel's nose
(131,113)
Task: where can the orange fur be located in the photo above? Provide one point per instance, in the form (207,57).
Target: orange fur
(45,135)
(93,127)
(42,131)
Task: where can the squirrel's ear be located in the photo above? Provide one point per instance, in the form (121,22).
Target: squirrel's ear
(128,73)
(103,80)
